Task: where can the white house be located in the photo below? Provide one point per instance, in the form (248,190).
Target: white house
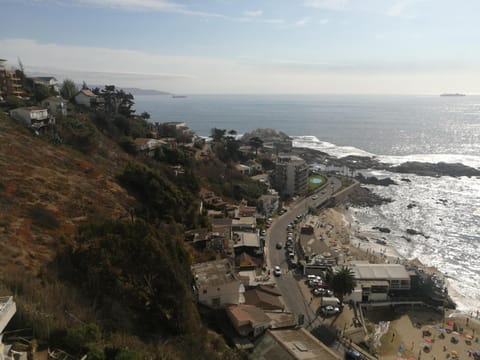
(218,284)
(48,81)
(56,105)
(34,116)
(243,169)
(85,97)
(148,146)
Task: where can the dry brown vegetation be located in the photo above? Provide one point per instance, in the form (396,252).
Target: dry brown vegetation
(46,191)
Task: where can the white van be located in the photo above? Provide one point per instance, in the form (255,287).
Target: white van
(330,301)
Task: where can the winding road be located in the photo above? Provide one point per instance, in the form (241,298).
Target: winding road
(287,283)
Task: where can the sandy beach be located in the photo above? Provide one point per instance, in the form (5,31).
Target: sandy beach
(409,333)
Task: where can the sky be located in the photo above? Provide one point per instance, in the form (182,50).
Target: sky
(249,47)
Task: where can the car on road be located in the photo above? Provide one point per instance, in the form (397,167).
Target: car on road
(263,232)
(277,271)
(279,245)
(314,197)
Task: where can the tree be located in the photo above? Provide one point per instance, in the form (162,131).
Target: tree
(257,143)
(217,134)
(145,115)
(342,282)
(41,92)
(20,65)
(68,89)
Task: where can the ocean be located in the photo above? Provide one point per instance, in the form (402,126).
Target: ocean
(394,129)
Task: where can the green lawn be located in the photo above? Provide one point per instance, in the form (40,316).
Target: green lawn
(316,181)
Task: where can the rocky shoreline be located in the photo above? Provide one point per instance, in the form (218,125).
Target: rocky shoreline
(410,167)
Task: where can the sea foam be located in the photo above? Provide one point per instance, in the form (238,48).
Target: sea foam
(444,209)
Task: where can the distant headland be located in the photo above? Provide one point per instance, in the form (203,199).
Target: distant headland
(452,94)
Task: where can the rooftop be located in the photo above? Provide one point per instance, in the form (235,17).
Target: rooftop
(214,273)
(32,108)
(379,271)
(292,344)
(263,300)
(248,314)
(87,92)
(250,239)
(245,220)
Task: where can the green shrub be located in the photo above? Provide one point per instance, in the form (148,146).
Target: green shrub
(78,133)
(128,145)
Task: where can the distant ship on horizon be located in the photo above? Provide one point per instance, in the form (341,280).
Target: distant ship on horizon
(179,96)
(452,94)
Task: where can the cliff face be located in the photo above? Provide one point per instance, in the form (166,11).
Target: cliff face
(47,191)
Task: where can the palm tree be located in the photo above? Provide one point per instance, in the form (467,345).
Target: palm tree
(342,282)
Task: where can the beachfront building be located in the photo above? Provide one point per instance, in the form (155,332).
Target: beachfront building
(290,175)
(10,83)
(217,284)
(378,281)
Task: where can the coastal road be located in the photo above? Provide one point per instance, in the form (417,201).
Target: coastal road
(287,282)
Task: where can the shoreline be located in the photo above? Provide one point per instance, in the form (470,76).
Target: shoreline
(465,296)
(404,327)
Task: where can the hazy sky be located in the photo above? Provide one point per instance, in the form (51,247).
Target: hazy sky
(244,46)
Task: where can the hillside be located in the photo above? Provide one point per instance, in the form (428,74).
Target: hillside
(93,240)
(46,191)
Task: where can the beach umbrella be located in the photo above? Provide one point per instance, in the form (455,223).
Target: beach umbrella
(469,337)
(453,353)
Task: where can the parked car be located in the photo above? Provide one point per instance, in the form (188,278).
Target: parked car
(330,310)
(263,232)
(319,291)
(314,197)
(351,354)
(277,271)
